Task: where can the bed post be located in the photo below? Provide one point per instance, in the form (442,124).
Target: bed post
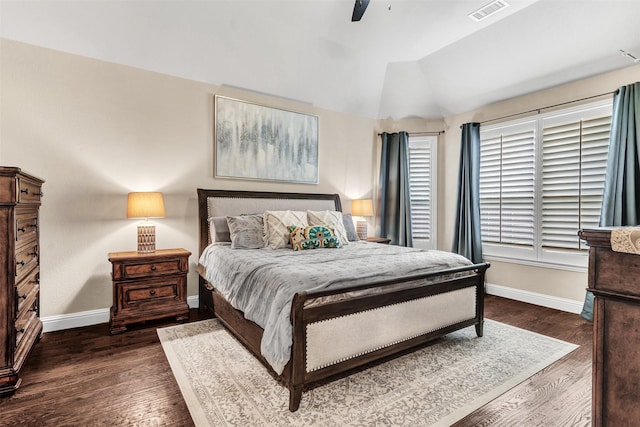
(298,359)
(480,292)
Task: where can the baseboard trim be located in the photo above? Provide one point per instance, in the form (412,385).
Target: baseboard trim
(557,303)
(87,318)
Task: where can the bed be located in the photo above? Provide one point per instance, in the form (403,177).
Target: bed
(330,327)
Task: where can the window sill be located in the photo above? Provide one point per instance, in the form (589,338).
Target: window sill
(540,264)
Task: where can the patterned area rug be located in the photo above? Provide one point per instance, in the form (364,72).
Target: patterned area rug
(224,385)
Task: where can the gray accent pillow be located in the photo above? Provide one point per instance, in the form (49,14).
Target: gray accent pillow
(219,229)
(247,231)
(347,220)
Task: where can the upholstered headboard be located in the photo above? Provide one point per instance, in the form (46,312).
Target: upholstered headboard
(213,203)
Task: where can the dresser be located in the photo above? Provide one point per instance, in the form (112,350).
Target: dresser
(148,286)
(614,279)
(20,325)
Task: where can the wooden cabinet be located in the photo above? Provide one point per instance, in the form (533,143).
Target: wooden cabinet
(20,324)
(614,279)
(148,286)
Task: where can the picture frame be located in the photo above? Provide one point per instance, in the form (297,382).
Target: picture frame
(258,142)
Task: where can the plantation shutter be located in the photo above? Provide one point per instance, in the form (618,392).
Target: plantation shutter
(574,158)
(507,179)
(420,187)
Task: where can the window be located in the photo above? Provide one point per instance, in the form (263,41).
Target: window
(541,180)
(422,187)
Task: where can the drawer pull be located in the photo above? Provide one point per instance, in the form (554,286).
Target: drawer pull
(20,331)
(21,263)
(33,254)
(23,229)
(23,296)
(153,268)
(152,292)
(25,191)
(40,194)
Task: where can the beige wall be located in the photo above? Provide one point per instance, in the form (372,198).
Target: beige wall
(96,131)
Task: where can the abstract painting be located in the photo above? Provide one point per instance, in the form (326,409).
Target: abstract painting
(263,143)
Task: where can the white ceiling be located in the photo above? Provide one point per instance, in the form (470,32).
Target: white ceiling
(405,58)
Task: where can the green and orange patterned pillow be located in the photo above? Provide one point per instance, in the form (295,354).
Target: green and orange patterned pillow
(312,237)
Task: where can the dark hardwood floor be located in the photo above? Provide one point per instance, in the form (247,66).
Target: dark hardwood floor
(86,377)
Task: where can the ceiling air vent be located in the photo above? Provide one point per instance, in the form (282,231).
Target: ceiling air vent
(488,10)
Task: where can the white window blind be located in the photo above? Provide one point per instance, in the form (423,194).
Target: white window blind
(422,157)
(541,180)
(507,173)
(574,159)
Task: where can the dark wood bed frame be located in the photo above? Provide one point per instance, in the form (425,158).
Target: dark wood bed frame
(295,377)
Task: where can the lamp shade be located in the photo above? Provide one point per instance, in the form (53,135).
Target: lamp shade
(145,205)
(363,207)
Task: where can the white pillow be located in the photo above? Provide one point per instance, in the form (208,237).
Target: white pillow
(219,229)
(276,223)
(332,219)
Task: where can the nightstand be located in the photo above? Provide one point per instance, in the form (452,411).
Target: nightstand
(383,240)
(148,286)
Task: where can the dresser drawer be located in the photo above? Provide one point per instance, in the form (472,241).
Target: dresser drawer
(26,260)
(27,290)
(26,226)
(25,324)
(28,191)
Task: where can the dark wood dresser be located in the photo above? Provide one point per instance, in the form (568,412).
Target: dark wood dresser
(20,325)
(614,279)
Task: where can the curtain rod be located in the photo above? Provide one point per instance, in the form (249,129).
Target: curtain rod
(440,132)
(537,110)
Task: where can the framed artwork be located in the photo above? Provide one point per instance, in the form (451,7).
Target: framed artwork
(263,143)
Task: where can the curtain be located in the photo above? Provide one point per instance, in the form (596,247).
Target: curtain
(621,201)
(467,240)
(394,205)
(621,198)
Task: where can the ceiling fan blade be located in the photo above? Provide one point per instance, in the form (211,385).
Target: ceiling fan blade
(358,10)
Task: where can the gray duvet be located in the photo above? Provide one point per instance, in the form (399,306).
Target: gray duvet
(262,282)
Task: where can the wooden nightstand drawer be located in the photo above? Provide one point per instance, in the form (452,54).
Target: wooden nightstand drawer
(133,271)
(134,293)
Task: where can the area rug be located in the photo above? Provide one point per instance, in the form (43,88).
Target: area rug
(224,385)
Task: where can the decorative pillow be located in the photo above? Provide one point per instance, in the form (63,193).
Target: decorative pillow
(219,229)
(347,220)
(246,231)
(312,237)
(276,223)
(331,219)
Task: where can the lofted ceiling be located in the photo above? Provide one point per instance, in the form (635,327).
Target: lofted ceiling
(405,58)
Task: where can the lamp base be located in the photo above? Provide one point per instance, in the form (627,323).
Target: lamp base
(361,230)
(146,239)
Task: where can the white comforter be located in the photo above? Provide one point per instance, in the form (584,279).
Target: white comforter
(262,282)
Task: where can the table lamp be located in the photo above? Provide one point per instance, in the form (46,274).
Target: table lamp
(362,208)
(145,205)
